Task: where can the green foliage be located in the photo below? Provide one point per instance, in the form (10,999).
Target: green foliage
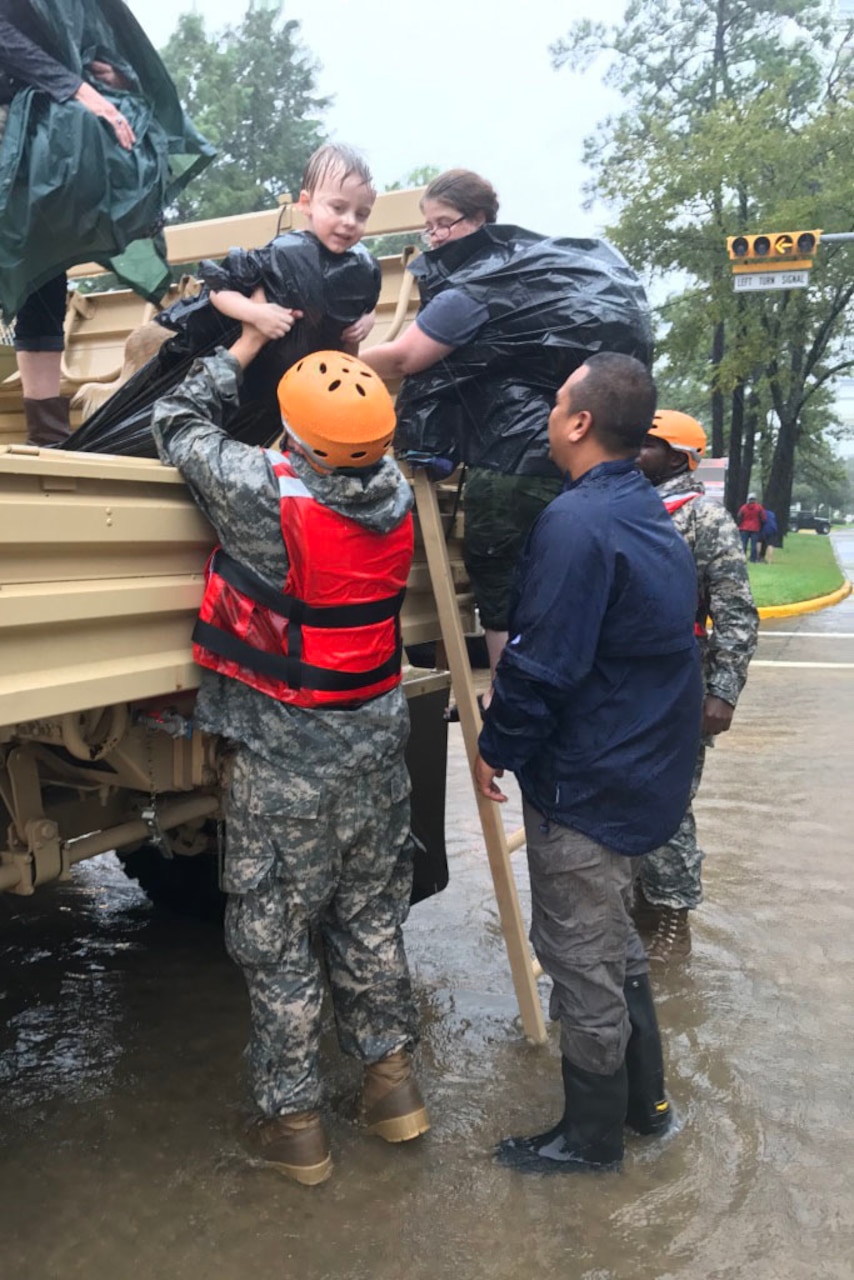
(391,246)
(739,116)
(251,90)
(802,569)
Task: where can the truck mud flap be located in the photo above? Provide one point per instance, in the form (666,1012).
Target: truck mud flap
(426,759)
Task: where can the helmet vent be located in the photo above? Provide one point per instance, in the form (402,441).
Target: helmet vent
(321,453)
(362,453)
(333,386)
(361,390)
(323,367)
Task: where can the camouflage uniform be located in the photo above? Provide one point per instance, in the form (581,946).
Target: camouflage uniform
(670,875)
(318,807)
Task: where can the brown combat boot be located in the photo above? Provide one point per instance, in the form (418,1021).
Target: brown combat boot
(390,1105)
(672,937)
(644,913)
(295,1144)
(47,420)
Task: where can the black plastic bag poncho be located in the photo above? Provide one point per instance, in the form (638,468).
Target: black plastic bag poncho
(551,303)
(69,193)
(296,270)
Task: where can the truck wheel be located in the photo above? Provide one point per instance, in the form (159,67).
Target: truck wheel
(187,886)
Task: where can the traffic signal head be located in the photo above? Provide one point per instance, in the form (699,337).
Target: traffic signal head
(777,248)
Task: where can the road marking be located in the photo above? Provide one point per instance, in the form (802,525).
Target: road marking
(822,666)
(813,635)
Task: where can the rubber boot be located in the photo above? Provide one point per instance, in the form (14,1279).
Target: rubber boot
(648,1110)
(588,1138)
(390,1104)
(47,421)
(672,937)
(295,1144)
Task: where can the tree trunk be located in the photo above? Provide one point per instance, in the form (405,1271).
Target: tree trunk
(717,396)
(778,495)
(734,487)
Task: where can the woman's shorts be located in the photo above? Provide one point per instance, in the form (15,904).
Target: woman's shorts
(39,323)
(499,513)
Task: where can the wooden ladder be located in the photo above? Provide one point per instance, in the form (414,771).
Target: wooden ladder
(499,845)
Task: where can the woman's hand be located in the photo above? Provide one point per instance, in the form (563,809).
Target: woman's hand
(359,329)
(93,101)
(109,75)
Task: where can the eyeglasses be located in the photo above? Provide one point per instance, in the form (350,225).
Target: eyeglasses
(441,231)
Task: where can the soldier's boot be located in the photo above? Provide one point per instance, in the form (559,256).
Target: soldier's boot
(672,937)
(47,420)
(589,1137)
(296,1145)
(644,913)
(648,1109)
(390,1104)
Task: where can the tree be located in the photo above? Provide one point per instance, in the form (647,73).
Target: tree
(739,117)
(251,90)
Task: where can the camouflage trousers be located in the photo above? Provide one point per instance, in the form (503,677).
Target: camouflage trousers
(310,863)
(670,875)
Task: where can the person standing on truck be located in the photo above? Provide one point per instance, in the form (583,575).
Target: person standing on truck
(597,711)
(750,519)
(506,315)
(299,639)
(64,65)
(670,884)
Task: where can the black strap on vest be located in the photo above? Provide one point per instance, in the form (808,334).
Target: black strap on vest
(289,668)
(297,611)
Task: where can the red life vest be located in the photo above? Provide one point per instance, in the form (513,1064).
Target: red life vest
(673,504)
(331,636)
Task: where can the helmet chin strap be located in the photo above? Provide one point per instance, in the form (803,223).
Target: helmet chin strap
(306,451)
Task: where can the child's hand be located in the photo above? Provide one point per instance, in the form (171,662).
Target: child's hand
(272,320)
(359,329)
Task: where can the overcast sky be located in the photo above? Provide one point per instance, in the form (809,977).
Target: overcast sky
(449,82)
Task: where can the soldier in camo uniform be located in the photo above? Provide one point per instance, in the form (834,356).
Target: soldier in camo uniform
(318,836)
(670,884)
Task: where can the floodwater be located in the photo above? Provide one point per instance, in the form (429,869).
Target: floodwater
(120,1060)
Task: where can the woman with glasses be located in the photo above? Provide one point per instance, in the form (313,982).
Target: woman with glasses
(506,488)
(506,316)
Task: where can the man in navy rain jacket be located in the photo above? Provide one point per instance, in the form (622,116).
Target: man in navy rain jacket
(597,711)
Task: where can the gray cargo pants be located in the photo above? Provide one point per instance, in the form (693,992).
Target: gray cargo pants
(331,859)
(584,938)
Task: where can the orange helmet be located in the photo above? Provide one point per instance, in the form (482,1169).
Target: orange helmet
(337,409)
(682,433)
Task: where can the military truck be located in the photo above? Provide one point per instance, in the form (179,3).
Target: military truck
(101,575)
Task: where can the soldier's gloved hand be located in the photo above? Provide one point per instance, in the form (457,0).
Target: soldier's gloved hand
(717,715)
(436,468)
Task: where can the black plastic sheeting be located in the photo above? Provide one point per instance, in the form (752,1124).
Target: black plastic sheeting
(295,270)
(552,303)
(69,193)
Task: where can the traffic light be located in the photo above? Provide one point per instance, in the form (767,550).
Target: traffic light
(776,249)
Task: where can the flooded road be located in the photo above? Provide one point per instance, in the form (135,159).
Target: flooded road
(120,1060)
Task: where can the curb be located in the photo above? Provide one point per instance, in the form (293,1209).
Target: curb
(806,606)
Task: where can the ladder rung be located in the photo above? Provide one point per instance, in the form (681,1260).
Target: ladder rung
(516,840)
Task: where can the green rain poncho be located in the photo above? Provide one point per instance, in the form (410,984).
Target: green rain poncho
(68,192)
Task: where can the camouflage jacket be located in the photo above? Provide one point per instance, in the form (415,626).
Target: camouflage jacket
(234,486)
(711,533)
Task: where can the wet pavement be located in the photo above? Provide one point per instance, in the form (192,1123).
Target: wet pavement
(120,1060)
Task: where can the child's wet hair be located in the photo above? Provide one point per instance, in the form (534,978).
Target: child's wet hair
(338,160)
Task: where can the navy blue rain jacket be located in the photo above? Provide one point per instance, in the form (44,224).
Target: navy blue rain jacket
(598,694)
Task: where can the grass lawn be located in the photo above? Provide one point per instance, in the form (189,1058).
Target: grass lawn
(805,567)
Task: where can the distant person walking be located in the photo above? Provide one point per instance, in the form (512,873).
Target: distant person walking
(769,537)
(751,517)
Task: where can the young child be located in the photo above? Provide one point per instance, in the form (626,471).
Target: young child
(305,291)
(336,199)
(318,832)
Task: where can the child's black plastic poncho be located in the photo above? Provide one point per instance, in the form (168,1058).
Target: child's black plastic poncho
(551,303)
(296,270)
(68,192)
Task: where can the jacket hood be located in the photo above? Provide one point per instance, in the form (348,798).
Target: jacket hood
(377,499)
(685,482)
